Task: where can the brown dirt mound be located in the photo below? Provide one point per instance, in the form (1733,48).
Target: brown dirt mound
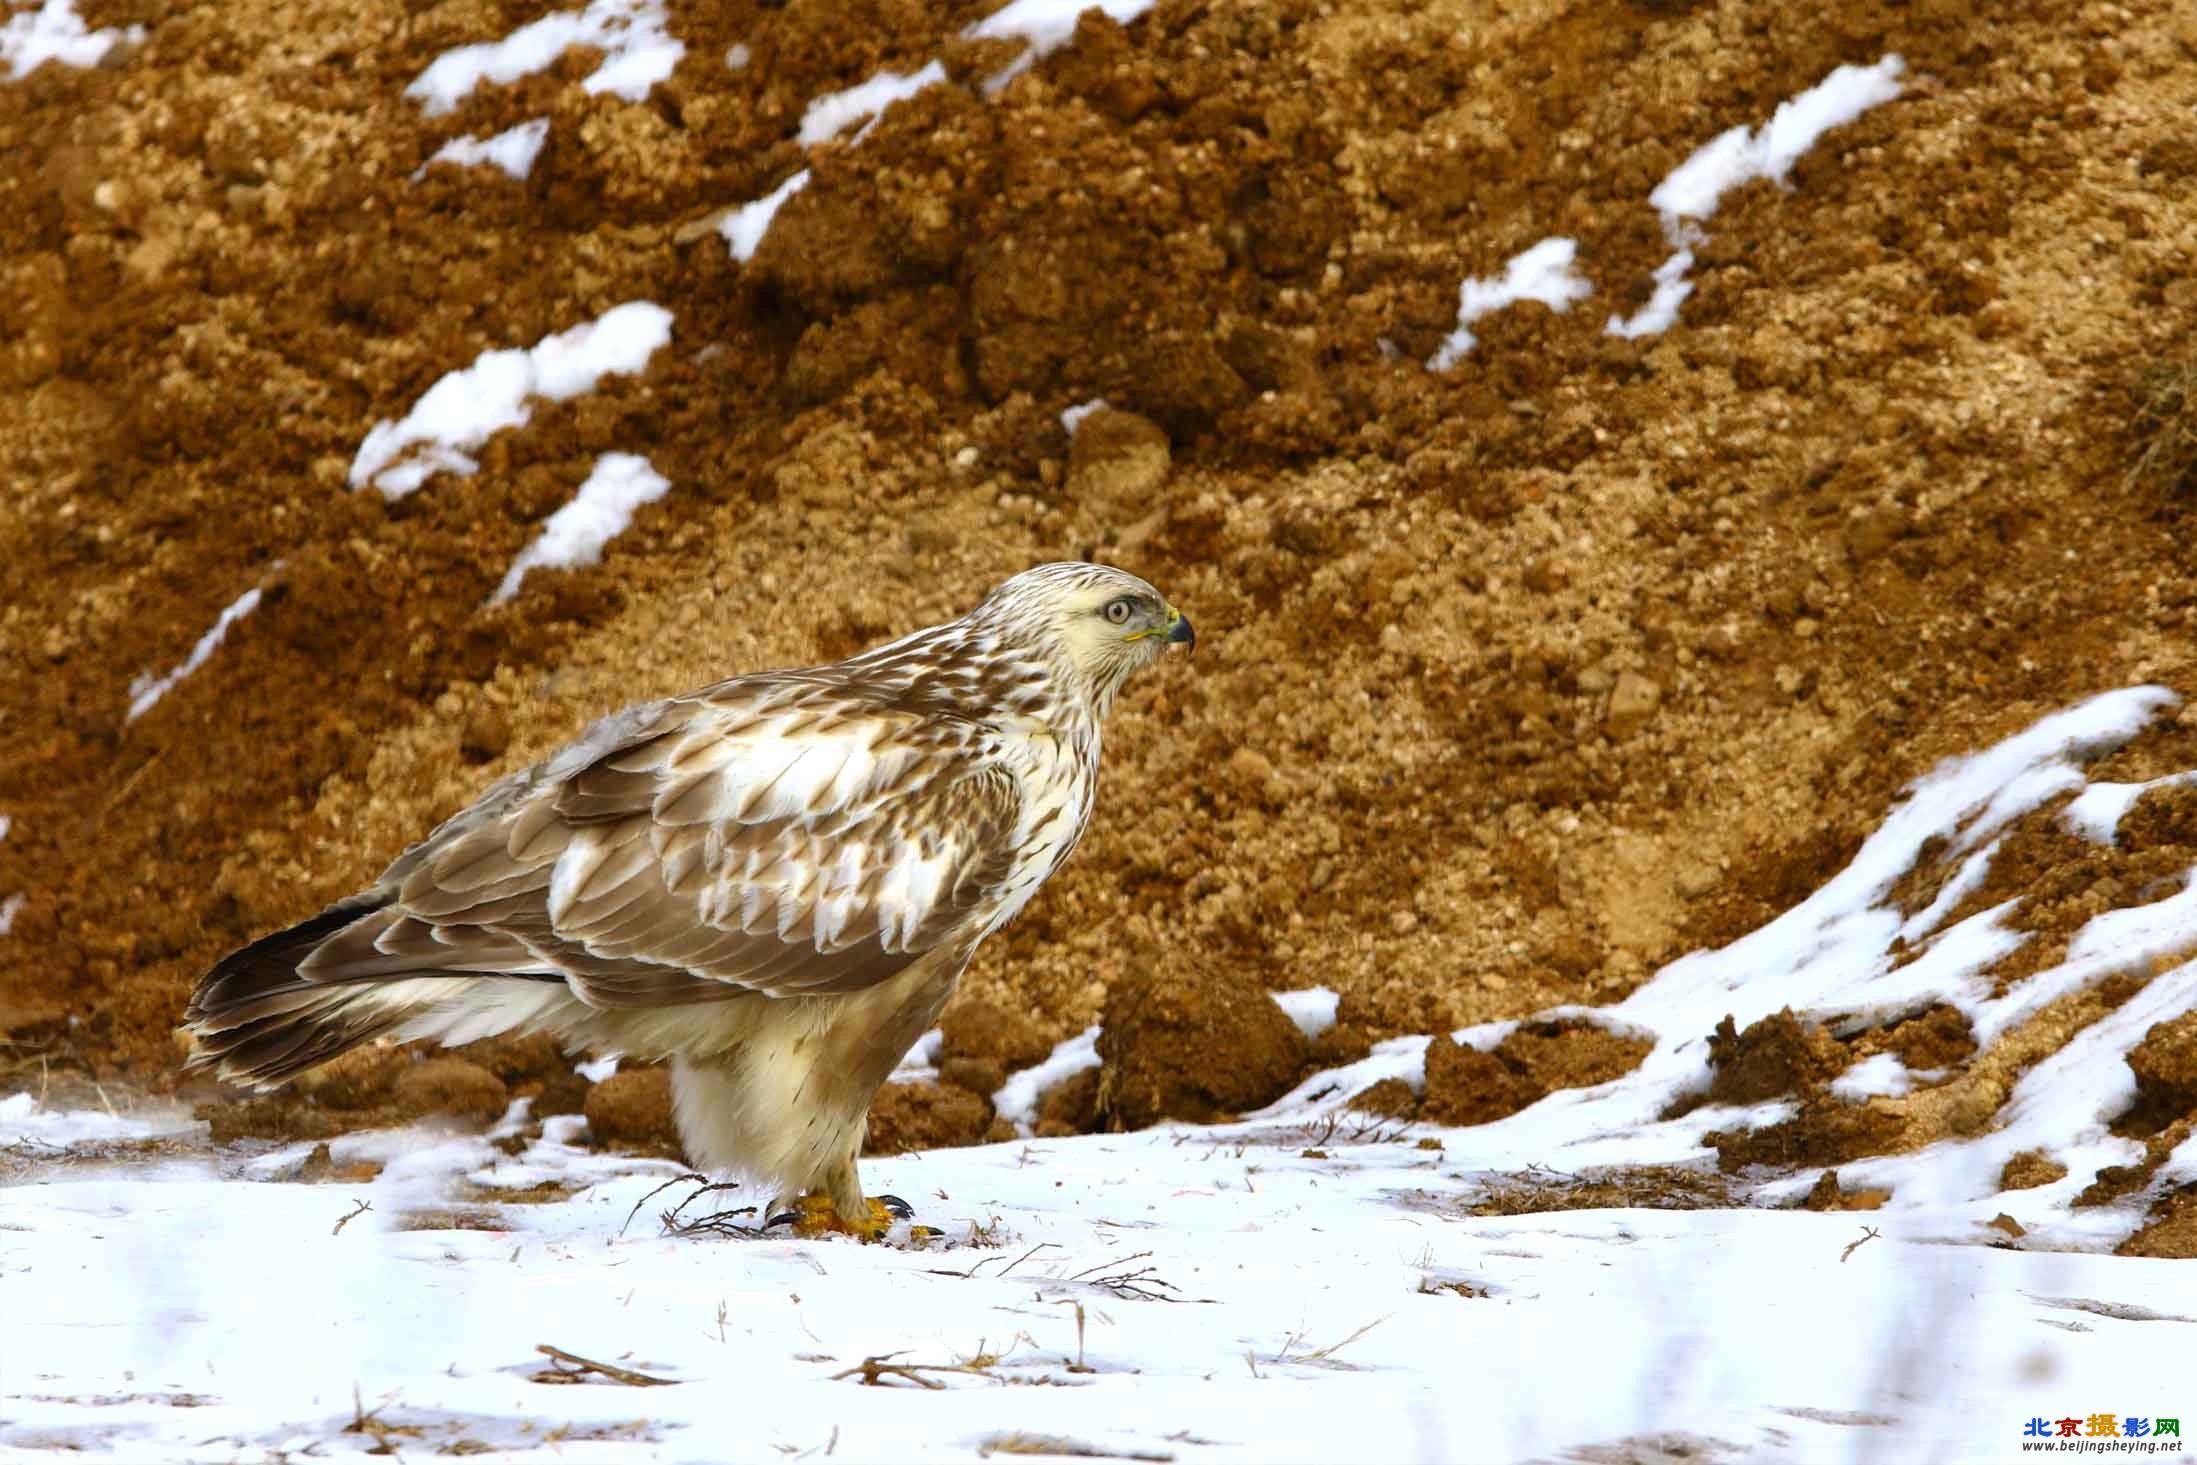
(980,1076)
(1572,1055)
(981,1042)
(1828,1195)
(2030,1169)
(2165,1063)
(1825,1132)
(1936,1038)
(1390,1098)
(1775,1057)
(276,1117)
(1518,679)
(1186,1041)
(1344,1043)
(450,1086)
(633,1107)
(926,1116)
(1467,1086)
(975,1028)
(2170,1230)
(1069,1107)
(376,1086)
(534,1068)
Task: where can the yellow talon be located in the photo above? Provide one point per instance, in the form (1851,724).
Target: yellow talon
(815,1215)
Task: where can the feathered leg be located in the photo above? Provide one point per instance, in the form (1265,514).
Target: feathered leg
(790,1104)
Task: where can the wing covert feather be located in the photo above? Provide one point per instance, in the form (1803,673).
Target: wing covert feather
(727,846)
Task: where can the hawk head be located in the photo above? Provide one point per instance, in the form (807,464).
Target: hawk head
(1095,624)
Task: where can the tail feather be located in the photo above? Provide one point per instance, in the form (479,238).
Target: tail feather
(270,1051)
(259,1021)
(269,964)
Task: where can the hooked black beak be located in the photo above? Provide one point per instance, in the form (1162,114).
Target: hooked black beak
(1181,632)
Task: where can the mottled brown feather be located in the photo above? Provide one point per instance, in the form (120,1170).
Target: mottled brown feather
(683,883)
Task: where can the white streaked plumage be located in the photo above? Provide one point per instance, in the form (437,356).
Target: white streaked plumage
(774,881)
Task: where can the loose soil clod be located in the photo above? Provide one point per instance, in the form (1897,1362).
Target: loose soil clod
(1192,1042)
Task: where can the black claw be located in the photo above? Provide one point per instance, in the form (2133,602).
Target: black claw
(901,1209)
(783,1218)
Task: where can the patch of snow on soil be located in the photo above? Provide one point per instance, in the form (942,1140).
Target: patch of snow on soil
(745,226)
(1689,194)
(1542,273)
(826,117)
(149,689)
(55,32)
(513,150)
(24,1120)
(1312,1009)
(468,407)
(598,513)
(637,53)
(2096,813)
(1878,1075)
(1848,956)
(1044,26)
(1017,1100)
(832,114)
(920,1063)
(13,903)
(1661,312)
(1740,155)
(1071,418)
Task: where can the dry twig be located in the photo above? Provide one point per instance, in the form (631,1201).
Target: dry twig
(1019,1442)
(1003,1271)
(717,1223)
(1321,1355)
(364,1422)
(873,1371)
(1078,1366)
(1868,1234)
(609,1371)
(1138,1284)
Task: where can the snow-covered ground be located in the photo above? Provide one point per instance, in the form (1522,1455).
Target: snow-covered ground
(1308,1284)
(1237,1301)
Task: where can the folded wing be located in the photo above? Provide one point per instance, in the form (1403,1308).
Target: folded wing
(710,847)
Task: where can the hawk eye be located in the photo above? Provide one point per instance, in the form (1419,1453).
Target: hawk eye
(1117,611)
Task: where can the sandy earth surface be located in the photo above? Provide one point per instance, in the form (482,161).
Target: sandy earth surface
(1516,681)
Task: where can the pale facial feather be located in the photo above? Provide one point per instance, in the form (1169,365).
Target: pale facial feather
(1059,611)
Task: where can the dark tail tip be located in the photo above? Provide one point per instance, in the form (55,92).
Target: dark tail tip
(256,1021)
